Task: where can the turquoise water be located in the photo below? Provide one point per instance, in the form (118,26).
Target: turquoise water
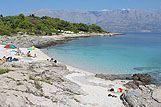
(130,53)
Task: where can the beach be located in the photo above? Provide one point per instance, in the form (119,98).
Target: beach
(95,90)
(41,82)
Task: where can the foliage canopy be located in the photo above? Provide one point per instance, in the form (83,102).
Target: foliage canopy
(42,25)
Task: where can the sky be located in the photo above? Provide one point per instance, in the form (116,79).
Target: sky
(12,7)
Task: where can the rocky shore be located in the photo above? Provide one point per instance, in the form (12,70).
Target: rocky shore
(25,41)
(37,84)
(140,91)
(142,95)
(49,84)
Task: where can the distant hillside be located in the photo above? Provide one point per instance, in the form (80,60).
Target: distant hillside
(123,20)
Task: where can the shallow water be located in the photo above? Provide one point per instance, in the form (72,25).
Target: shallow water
(130,53)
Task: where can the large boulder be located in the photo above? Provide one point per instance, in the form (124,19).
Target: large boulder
(143,96)
(144,78)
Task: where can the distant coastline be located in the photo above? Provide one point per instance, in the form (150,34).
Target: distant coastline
(25,40)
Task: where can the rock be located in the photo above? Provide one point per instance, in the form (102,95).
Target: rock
(114,77)
(157,94)
(37,84)
(143,96)
(132,85)
(144,78)
(28,41)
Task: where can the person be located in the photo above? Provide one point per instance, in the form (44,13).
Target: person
(29,54)
(18,51)
(55,61)
(51,59)
(110,95)
(4,59)
(112,89)
(9,59)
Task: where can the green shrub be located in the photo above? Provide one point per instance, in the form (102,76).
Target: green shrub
(4,70)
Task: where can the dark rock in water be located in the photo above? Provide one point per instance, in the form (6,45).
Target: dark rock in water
(144,78)
(114,77)
(139,79)
(138,68)
(146,68)
(154,72)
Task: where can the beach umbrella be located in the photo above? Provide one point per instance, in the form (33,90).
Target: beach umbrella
(31,48)
(11,46)
(7,46)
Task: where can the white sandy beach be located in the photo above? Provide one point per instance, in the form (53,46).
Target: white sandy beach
(95,89)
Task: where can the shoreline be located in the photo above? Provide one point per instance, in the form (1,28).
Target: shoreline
(40,42)
(95,89)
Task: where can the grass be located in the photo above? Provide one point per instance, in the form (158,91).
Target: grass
(4,70)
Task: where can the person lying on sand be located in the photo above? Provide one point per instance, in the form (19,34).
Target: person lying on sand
(110,95)
(28,54)
(55,61)
(4,59)
(10,59)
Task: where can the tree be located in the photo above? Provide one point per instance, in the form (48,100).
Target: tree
(21,16)
(1,16)
(95,28)
(41,25)
(82,27)
(32,15)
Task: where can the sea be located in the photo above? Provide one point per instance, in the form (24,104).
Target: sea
(122,54)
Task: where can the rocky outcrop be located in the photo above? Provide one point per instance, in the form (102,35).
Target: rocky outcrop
(25,41)
(37,84)
(142,95)
(143,78)
(137,78)
(114,77)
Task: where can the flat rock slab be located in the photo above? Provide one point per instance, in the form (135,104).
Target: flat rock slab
(157,94)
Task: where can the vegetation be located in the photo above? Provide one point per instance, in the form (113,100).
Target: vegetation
(42,25)
(3,70)
(46,80)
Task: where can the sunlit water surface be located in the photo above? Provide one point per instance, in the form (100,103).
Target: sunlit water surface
(124,54)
